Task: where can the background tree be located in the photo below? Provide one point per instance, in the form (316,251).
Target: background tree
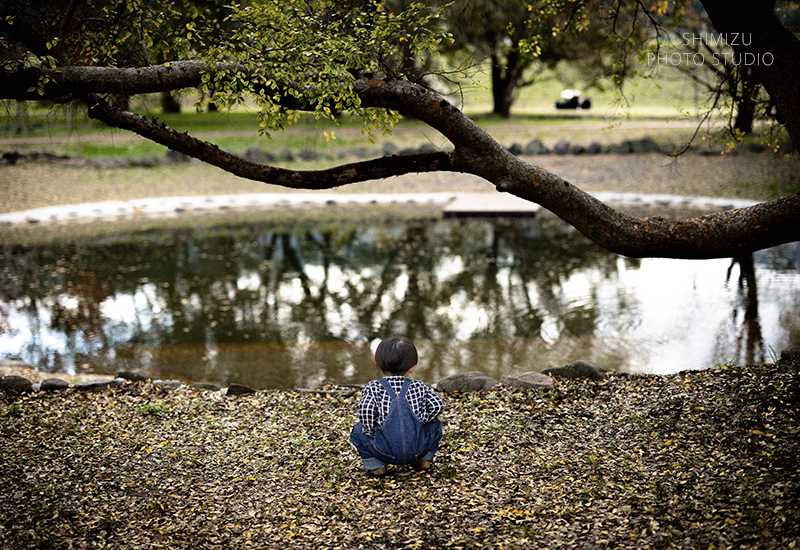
(723,72)
(285,57)
(520,39)
(739,78)
(769,36)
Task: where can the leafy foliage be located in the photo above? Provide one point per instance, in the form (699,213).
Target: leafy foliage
(101,33)
(696,460)
(320,46)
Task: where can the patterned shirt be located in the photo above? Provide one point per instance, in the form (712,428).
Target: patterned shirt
(373,407)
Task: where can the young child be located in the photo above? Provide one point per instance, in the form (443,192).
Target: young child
(398,417)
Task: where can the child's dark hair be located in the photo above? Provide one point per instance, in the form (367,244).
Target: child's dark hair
(396,355)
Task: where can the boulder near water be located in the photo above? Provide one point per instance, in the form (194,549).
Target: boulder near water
(791,353)
(579,369)
(15,384)
(467,382)
(528,380)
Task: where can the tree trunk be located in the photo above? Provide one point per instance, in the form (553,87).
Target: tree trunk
(775,49)
(504,83)
(501,97)
(745,114)
(169,103)
(746,104)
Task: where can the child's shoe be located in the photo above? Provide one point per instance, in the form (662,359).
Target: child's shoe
(422,465)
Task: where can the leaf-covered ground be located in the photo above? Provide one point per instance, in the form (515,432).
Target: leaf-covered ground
(695,460)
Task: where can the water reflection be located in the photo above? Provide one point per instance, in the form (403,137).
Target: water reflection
(286,308)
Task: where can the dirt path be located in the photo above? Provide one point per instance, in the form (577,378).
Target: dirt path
(749,175)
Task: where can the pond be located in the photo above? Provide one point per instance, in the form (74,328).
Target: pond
(274,308)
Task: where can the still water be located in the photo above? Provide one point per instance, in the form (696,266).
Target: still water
(302,307)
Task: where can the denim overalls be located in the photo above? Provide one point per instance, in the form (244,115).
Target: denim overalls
(401,439)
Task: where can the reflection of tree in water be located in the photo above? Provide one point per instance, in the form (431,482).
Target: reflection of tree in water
(750,337)
(66,291)
(284,308)
(785,261)
(308,301)
(742,333)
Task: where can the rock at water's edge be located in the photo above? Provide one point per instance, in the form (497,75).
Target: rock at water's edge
(99,385)
(466,382)
(791,353)
(579,369)
(239,389)
(15,384)
(528,380)
(54,384)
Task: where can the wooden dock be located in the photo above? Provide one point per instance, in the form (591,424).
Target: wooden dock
(490,205)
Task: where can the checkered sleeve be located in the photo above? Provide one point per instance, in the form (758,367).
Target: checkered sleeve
(435,405)
(425,402)
(369,408)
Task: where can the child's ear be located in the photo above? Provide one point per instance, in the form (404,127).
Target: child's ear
(411,370)
(376,365)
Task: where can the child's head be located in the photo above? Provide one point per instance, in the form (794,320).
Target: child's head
(396,355)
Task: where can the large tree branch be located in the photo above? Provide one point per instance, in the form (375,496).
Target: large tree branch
(724,234)
(296,179)
(21,84)
(72,81)
(476,152)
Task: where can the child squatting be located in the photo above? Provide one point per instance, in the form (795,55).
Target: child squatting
(398,417)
